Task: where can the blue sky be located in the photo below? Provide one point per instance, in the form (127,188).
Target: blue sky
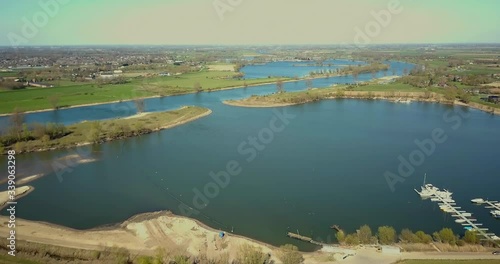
(80,22)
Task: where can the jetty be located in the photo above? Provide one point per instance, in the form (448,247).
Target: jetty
(448,205)
(304,238)
(494,205)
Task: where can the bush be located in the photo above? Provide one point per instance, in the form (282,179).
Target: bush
(447,236)
(248,254)
(289,254)
(386,235)
(407,236)
(352,239)
(365,234)
(423,237)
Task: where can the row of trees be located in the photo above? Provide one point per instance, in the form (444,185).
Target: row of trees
(387,235)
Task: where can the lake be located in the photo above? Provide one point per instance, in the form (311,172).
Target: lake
(325,166)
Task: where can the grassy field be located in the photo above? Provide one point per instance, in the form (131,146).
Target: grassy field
(100,131)
(79,94)
(435,261)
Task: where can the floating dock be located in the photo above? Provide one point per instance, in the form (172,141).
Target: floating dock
(448,205)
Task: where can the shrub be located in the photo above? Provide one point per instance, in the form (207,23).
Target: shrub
(289,254)
(386,235)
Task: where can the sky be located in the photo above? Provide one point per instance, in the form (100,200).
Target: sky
(247,22)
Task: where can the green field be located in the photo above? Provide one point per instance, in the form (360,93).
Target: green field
(78,94)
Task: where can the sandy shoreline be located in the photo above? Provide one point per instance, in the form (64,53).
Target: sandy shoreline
(20,192)
(141,234)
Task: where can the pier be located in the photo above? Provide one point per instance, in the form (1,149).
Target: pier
(304,238)
(448,205)
(494,205)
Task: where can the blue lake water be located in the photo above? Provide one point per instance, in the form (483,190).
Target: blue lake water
(325,167)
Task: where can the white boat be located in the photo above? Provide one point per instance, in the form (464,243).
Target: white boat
(495,213)
(477,200)
(460,221)
(428,190)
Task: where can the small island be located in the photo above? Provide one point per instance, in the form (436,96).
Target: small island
(44,137)
(394,92)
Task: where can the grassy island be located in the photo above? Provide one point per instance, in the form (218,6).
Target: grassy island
(42,137)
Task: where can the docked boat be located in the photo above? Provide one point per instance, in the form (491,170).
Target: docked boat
(460,221)
(430,191)
(495,213)
(477,200)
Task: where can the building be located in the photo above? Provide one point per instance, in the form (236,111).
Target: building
(494,99)
(39,85)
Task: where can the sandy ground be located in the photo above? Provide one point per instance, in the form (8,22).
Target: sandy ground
(143,234)
(29,178)
(20,192)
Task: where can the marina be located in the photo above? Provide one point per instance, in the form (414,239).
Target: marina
(495,205)
(448,205)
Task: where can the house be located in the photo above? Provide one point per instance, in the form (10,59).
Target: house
(494,99)
(39,85)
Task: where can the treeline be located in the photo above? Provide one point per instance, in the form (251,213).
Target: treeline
(354,70)
(18,131)
(387,235)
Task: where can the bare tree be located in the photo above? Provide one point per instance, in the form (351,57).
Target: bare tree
(54,101)
(197,87)
(309,84)
(140,105)
(279,86)
(17,121)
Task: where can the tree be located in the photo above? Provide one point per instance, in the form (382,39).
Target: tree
(447,236)
(289,254)
(248,254)
(386,235)
(365,234)
(436,237)
(450,94)
(471,237)
(340,236)
(197,87)
(95,131)
(279,86)
(355,75)
(464,96)
(54,101)
(309,84)
(423,237)
(352,239)
(140,105)
(407,236)
(17,121)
